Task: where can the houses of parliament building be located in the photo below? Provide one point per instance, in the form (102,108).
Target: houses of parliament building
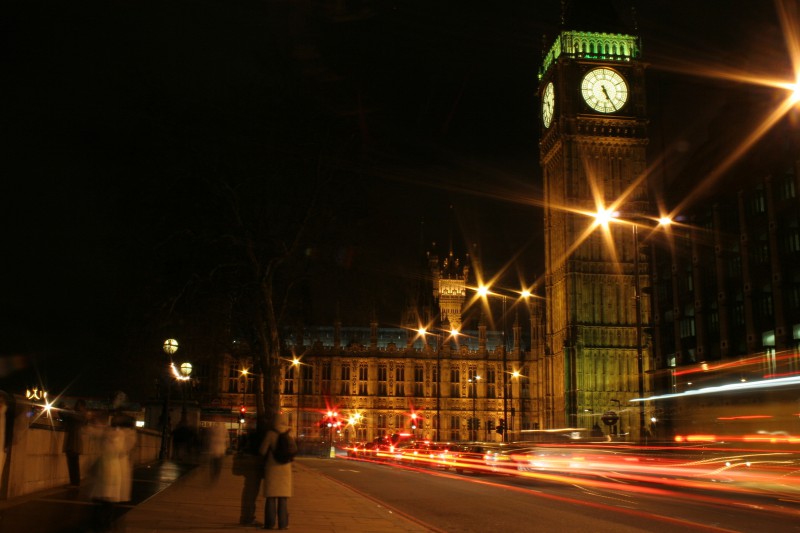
(447,382)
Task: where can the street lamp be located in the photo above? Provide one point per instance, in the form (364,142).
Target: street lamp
(473,422)
(603,217)
(445,336)
(170,347)
(637,295)
(485,292)
(185,372)
(515,377)
(423,332)
(298,394)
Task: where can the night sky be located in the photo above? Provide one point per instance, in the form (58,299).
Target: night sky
(421,117)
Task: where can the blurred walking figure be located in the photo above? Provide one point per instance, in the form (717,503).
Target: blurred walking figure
(113,479)
(217,446)
(74,425)
(277,476)
(248,463)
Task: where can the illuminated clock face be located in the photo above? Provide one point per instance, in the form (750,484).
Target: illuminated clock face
(548,104)
(604,90)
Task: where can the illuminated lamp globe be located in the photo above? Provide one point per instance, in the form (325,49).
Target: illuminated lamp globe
(170,346)
(186,369)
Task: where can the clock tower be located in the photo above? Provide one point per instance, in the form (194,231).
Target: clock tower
(592,153)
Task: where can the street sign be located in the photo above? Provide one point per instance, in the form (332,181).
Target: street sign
(610,418)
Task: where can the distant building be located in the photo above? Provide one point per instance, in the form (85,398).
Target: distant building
(379,380)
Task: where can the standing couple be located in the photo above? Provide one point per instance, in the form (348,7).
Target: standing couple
(277,480)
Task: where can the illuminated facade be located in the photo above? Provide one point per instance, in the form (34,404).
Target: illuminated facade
(592,153)
(375,379)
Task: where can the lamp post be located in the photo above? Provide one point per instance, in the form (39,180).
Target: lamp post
(505,371)
(185,373)
(423,332)
(603,217)
(243,380)
(170,347)
(515,376)
(485,292)
(638,312)
(299,380)
(473,425)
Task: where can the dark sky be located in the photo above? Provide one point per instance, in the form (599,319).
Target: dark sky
(121,112)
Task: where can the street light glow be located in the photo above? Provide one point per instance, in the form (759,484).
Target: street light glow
(795,97)
(604,216)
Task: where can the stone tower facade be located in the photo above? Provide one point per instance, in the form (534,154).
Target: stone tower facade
(450,277)
(592,154)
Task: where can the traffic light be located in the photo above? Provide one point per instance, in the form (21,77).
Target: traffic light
(242,412)
(501,426)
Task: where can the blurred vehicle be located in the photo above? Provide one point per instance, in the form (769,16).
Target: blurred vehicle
(355,449)
(410,452)
(469,458)
(543,458)
(425,454)
(385,446)
(442,455)
(501,458)
(368,451)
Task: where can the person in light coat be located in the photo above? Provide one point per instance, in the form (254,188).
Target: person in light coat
(217,446)
(277,477)
(113,478)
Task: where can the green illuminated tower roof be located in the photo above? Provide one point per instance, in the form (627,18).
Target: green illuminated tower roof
(592,30)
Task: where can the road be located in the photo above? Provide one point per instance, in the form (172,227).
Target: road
(477,503)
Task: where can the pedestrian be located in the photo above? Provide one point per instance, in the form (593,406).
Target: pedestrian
(217,446)
(248,463)
(113,480)
(74,425)
(277,477)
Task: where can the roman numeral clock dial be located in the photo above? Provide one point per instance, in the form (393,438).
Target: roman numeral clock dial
(548,105)
(604,90)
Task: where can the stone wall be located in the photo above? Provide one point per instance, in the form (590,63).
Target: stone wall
(36,461)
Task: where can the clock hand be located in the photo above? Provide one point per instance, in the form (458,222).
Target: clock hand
(608,97)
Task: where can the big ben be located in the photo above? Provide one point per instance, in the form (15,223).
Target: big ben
(593,157)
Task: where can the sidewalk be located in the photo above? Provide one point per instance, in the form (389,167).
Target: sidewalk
(319,505)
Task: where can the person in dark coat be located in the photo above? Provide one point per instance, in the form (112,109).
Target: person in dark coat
(253,472)
(277,477)
(74,423)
